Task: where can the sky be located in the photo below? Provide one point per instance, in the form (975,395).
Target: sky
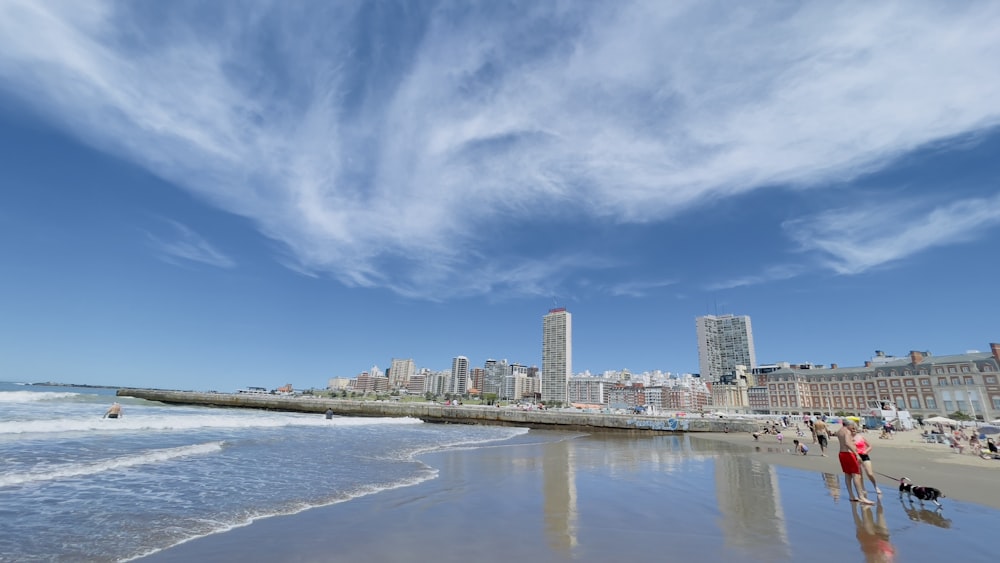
(218,195)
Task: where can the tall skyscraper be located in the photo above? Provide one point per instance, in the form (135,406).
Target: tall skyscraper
(459,382)
(557,354)
(724,343)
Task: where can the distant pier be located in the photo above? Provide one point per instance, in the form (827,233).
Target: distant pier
(437,413)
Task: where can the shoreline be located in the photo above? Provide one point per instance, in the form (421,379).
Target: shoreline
(602,497)
(964,477)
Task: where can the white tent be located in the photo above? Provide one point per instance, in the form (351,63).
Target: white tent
(941,420)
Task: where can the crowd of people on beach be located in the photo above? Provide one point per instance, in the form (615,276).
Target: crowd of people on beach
(854,447)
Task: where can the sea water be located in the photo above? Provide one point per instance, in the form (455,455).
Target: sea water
(75,486)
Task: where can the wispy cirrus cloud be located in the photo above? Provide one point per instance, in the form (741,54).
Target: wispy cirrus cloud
(184,245)
(769,274)
(639,288)
(852,241)
(373,145)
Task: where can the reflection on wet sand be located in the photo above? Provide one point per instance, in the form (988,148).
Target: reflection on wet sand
(873,533)
(932,517)
(559,503)
(832,483)
(749,500)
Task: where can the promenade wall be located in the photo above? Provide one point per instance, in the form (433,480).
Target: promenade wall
(437,413)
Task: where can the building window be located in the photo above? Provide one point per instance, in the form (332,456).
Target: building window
(914,402)
(996,403)
(881,383)
(965,369)
(943,381)
(857,386)
(900,403)
(895,383)
(955,381)
(909,383)
(951,369)
(938,370)
(986,367)
(925,382)
(906,372)
(968,380)
(961,406)
(948,406)
(991,380)
(930,403)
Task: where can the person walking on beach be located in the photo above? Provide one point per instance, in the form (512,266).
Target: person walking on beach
(849,463)
(329,414)
(114,411)
(819,427)
(864,447)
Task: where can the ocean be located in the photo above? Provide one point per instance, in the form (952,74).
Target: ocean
(75,486)
(165,481)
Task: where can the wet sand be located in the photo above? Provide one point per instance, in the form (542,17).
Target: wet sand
(965,477)
(614,498)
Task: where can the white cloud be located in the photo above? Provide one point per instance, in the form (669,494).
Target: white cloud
(632,112)
(770,274)
(639,288)
(188,245)
(851,241)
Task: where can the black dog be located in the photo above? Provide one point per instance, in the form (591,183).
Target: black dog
(922,493)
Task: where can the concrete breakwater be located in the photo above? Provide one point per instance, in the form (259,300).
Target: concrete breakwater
(433,412)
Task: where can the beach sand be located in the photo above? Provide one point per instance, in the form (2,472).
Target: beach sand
(610,497)
(965,477)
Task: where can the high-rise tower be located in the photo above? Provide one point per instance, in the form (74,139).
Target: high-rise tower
(459,381)
(724,343)
(557,354)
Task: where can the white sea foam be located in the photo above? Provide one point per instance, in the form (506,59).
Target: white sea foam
(365,490)
(32,396)
(84,469)
(186,422)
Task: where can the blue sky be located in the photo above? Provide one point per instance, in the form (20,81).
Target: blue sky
(226,194)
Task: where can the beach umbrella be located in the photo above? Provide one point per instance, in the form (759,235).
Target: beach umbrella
(940,420)
(995,422)
(989,429)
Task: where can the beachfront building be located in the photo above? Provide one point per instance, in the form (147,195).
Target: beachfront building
(589,390)
(724,342)
(436,382)
(525,387)
(401,372)
(338,383)
(921,383)
(477,377)
(627,396)
(512,381)
(368,383)
(416,384)
(494,373)
(458,384)
(557,355)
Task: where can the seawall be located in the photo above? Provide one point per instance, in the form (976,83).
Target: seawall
(433,412)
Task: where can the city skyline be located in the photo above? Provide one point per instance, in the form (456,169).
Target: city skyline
(214,196)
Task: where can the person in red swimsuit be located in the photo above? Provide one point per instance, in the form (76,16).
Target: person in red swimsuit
(864,448)
(849,463)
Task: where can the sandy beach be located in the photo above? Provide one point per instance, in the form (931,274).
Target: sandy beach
(966,477)
(613,498)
